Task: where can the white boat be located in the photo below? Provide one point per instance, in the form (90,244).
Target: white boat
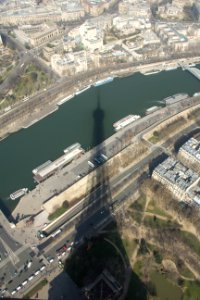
(103,81)
(152,72)
(65,99)
(18,194)
(170,68)
(125,121)
(151,109)
(196,94)
(83,90)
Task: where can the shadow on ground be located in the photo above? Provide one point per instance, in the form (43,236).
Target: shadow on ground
(99,266)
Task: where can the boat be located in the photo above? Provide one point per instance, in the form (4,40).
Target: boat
(151,72)
(39,168)
(18,194)
(196,94)
(125,121)
(83,90)
(72,147)
(175,98)
(151,109)
(65,99)
(103,81)
(170,68)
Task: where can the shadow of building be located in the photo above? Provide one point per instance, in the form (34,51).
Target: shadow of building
(99,265)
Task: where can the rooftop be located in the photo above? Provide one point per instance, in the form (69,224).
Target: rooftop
(192,146)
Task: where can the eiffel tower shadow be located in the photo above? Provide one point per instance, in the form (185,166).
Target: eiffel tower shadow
(98,265)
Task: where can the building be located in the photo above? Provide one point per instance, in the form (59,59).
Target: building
(134,8)
(30,16)
(97,7)
(37,35)
(176,177)
(91,36)
(54,47)
(72,11)
(189,153)
(69,64)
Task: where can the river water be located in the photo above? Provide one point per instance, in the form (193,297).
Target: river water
(21,152)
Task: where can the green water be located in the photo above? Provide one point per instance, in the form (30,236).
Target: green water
(73,122)
(165,289)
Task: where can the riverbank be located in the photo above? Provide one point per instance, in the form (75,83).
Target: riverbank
(32,111)
(52,187)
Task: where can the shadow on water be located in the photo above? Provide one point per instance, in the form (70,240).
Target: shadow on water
(99,264)
(6,211)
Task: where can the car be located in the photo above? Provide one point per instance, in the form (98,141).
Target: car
(24,282)
(29,264)
(42,268)
(30,278)
(18,288)
(13,292)
(69,249)
(37,272)
(91,164)
(51,260)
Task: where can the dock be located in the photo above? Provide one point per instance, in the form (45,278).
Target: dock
(194,71)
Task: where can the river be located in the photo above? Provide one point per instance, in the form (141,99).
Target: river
(24,150)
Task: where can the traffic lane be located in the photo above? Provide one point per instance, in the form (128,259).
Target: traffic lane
(25,273)
(88,226)
(10,271)
(12,244)
(52,253)
(91,199)
(3,252)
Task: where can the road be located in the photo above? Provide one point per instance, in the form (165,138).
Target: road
(98,193)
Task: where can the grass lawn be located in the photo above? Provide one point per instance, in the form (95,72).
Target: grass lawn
(189,239)
(137,267)
(139,204)
(186,272)
(129,245)
(166,290)
(152,208)
(35,289)
(155,222)
(154,139)
(59,211)
(192,290)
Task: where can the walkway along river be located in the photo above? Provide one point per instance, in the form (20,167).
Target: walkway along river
(21,152)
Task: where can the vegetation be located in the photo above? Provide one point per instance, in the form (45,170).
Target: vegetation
(32,80)
(155,222)
(154,209)
(192,290)
(190,240)
(165,289)
(158,257)
(59,211)
(166,130)
(139,204)
(35,289)
(194,114)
